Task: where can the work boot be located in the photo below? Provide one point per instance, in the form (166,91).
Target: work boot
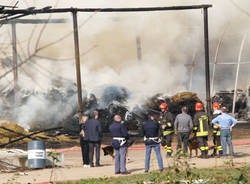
(169,154)
(220,153)
(214,153)
(206,154)
(202,154)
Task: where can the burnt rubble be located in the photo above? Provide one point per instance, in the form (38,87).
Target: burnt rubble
(113,100)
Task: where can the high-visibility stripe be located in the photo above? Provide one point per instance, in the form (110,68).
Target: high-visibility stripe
(159,122)
(218,133)
(201,125)
(202,133)
(169,124)
(167,132)
(206,148)
(202,148)
(215,126)
(195,128)
(169,151)
(219,148)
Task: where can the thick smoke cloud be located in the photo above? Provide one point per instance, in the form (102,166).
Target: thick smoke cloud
(169,40)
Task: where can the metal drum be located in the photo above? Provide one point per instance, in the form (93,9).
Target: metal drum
(36,154)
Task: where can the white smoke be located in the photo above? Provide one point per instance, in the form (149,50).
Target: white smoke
(168,40)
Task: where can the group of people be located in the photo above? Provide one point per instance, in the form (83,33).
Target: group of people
(90,139)
(160,130)
(222,124)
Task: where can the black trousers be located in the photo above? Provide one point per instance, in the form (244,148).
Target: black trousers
(85,151)
(96,146)
(217,143)
(182,137)
(167,139)
(202,140)
(216,140)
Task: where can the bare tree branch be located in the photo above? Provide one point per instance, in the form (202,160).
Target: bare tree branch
(43,47)
(44,27)
(66,35)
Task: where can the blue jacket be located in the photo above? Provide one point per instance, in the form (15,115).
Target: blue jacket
(93,130)
(150,128)
(224,120)
(117,129)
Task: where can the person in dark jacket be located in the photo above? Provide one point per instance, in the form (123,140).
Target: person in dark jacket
(84,142)
(216,131)
(150,130)
(166,121)
(183,125)
(120,135)
(201,129)
(94,134)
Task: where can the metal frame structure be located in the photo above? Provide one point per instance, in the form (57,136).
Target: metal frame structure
(14,42)
(10,14)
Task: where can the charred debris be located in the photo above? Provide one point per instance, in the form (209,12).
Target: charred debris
(60,116)
(113,100)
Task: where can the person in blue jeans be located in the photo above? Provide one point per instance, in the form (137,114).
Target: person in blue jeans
(151,130)
(225,122)
(120,135)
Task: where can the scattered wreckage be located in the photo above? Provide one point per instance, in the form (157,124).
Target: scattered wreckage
(45,125)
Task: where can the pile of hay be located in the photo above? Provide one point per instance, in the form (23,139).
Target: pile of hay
(15,132)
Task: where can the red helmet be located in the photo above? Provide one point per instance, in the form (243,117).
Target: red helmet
(198,106)
(216,105)
(164,106)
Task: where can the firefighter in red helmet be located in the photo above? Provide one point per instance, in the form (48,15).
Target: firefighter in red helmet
(201,129)
(166,121)
(216,130)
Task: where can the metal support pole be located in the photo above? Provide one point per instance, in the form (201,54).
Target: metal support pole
(138,46)
(77,61)
(216,62)
(237,71)
(14,59)
(192,71)
(206,45)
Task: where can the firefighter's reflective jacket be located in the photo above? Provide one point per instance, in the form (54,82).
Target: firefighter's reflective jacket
(201,124)
(168,120)
(216,130)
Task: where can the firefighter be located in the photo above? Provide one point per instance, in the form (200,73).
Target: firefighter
(201,129)
(166,121)
(216,130)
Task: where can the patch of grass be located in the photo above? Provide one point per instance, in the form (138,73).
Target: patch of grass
(205,176)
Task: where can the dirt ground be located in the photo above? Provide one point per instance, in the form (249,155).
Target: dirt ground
(74,170)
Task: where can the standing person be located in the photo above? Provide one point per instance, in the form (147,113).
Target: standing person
(226,123)
(94,130)
(120,135)
(84,141)
(183,125)
(150,130)
(166,121)
(216,131)
(201,129)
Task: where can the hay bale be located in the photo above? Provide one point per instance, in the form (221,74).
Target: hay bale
(11,126)
(183,96)
(187,99)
